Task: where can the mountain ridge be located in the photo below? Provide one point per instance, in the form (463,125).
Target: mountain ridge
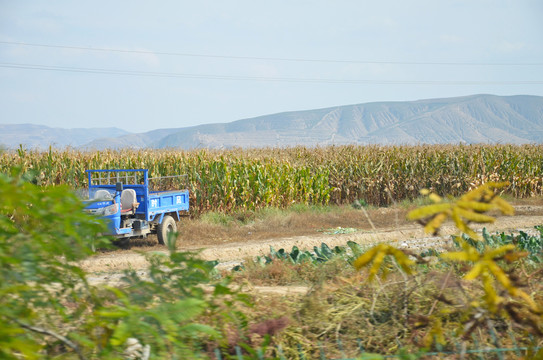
(41,136)
(479,118)
(469,119)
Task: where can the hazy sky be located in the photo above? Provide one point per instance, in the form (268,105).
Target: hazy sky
(143,65)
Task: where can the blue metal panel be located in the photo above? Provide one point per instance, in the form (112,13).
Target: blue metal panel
(167,202)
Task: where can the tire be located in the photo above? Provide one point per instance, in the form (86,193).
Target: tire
(167,226)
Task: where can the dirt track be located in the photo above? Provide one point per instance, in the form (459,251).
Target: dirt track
(106,266)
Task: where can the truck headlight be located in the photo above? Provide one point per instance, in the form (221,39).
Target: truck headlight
(111,210)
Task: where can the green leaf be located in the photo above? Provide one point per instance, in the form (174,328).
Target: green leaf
(120,334)
(326,252)
(356,249)
(221,290)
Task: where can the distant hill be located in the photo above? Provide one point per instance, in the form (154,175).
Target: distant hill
(134,141)
(40,137)
(469,119)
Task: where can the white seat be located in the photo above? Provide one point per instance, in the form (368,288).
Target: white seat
(128,200)
(103,195)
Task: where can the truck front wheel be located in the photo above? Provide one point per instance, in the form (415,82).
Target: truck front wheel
(165,228)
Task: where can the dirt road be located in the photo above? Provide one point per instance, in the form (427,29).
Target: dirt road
(407,236)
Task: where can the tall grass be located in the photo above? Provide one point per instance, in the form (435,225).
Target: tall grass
(230,180)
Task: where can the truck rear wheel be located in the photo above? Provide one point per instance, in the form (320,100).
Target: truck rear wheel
(165,228)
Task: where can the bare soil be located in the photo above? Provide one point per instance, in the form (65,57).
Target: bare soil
(230,244)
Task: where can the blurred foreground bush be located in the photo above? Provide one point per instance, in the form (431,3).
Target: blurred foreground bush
(49,310)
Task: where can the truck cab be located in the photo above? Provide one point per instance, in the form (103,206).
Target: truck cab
(131,209)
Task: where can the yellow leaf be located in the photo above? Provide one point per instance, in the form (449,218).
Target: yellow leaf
(535,308)
(426,211)
(462,226)
(402,259)
(377,255)
(456,255)
(435,223)
(400,256)
(377,261)
(458,220)
(484,192)
(473,195)
(503,205)
(472,234)
(475,205)
(475,271)
(491,297)
(469,254)
(469,208)
(365,258)
(473,216)
(491,254)
(500,276)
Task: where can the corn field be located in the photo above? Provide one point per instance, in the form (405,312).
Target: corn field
(237,180)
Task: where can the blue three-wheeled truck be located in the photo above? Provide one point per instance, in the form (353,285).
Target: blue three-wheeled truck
(124,199)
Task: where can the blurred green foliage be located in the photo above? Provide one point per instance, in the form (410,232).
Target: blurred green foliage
(43,233)
(48,309)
